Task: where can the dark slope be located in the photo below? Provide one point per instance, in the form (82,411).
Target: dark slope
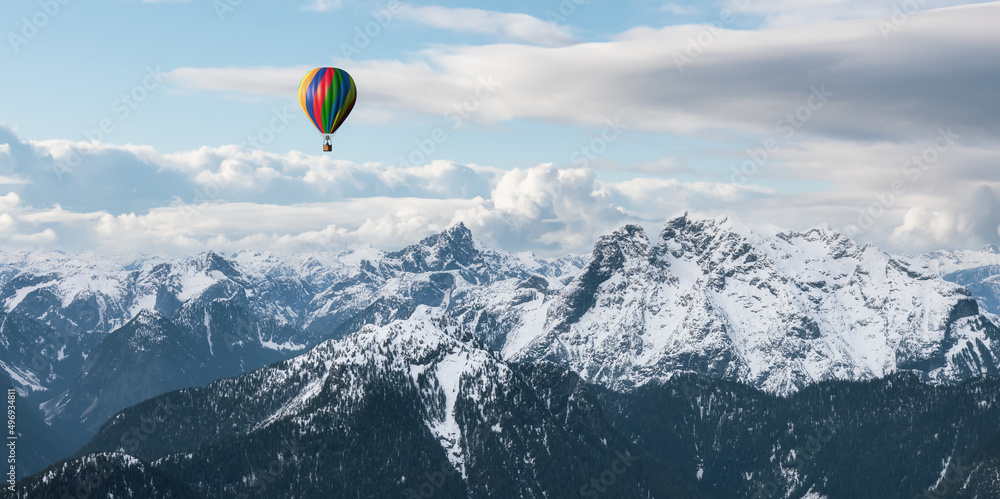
(379,415)
(107,475)
(893,437)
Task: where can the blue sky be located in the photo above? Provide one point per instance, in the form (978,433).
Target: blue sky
(539,124)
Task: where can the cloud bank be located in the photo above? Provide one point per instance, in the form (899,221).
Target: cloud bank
(232,198)
(886,78)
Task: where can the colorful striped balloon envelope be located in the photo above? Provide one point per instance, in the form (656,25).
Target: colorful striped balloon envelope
(327,95)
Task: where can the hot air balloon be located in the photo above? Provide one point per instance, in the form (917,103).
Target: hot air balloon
(327,95)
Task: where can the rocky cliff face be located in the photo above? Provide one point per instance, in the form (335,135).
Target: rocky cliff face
(773,308)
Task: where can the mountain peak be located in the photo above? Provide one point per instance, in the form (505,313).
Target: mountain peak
(147,316)
(628,241)
(625,249)
(456,237)
(212,261)
(684,234)
(457,233)
(687,224)
(452,249)
(673,226)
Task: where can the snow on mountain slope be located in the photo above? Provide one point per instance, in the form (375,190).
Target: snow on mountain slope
(440,363)
(290,288)
(303,298)
(421,386)
(778,309)
(947,262)
(979,271)
(451,270)
(773,308)
(228,314)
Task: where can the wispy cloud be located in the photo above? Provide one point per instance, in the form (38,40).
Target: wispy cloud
(323,5)
(679,10)
(797,12)
(744,80)
(509,26)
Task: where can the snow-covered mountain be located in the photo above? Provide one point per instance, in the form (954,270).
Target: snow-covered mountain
(77,301)
(413,406)
(84,336)
(73,302)
(946,262)
(979,271)
(417,409)
(773,308)
(151,355)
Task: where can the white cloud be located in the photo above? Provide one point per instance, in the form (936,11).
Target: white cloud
(323,5)
(231,173)
(290,202)
(679,10)
(541,208)
(545,209)
(230,226)
(10,202)
(6,222)
(261,200)
(13,180)
(743,80)
(791,12)
(970,222)
(58,215)
(40,239)
(512,26)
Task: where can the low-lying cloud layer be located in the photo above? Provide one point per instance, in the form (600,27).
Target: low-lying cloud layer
(232,198)
(85,196)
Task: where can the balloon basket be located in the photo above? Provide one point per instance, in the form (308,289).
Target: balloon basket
(327,145)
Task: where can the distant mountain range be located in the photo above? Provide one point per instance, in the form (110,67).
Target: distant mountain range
(86,335)
(978,271)
(437,342)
